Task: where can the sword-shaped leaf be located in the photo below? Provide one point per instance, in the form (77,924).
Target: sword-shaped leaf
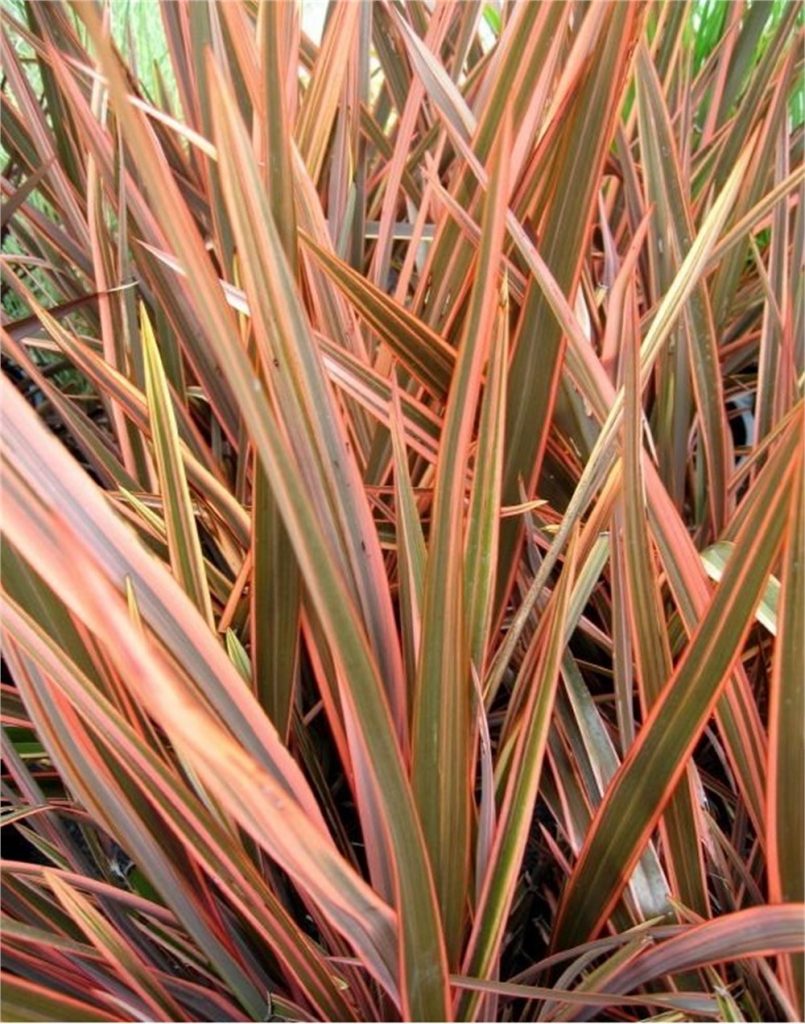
(184,545)
(442,733)
(642,787)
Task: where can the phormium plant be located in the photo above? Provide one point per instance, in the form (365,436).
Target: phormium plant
(402,496)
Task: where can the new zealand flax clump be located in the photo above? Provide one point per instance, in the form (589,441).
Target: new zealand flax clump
(402,511)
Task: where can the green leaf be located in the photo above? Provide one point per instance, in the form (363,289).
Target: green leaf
(786,788)
(418,347)
(443,698)
(388,811)
(27,1001)
(114,948)
(715,558)
(411,549)
(696,338)
(517,808)
(483,526)
(188,818)
(183,540)
(650,642)
(640,791)
(538,345)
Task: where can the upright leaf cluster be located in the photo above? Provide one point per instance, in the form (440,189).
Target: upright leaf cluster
(403,511)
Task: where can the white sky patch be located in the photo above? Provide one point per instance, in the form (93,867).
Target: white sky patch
(313,15)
